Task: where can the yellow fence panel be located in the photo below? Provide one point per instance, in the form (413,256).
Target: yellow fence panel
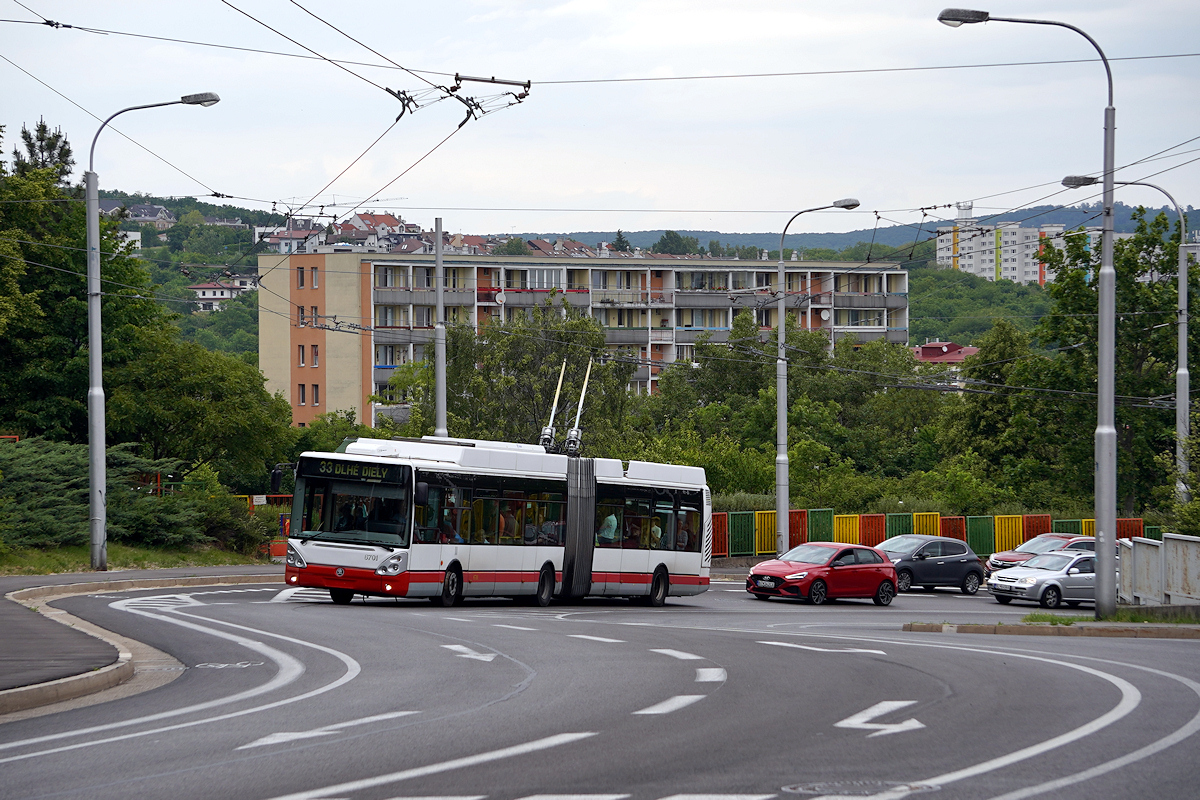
(1009,533)
(764,533)
(927,523)
(845,528)
(1089,527)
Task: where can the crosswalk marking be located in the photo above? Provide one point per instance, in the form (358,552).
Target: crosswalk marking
(682,656)
(595,638)
(673,704)
(301,594)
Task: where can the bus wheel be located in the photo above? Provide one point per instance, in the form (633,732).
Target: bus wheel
(341,597)
(658,589)
(545,590)
(451,588)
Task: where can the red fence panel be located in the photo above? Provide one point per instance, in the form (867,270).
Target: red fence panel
(797,527)
(720,522)
(1033,525)
(872,529)
(1129,527)
(954,528)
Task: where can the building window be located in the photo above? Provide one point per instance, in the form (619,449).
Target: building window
(300,316)
(314,277)
(315,318)
(685,352)
(299,277)
(425,278)
(385,355)
(316,394)
(301,349)
(423,317)
(300,396)
(314,355)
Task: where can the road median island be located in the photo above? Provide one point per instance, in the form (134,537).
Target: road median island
(133,658)
(1097,629)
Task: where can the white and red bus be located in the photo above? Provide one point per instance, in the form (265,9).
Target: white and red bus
(451,518)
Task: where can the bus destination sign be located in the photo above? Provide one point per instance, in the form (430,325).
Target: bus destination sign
(352,470)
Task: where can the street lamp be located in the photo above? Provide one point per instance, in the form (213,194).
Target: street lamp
(1106,431)
(1182,378)
(96,473)
(781,433)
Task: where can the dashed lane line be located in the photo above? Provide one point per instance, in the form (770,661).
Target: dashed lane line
(682,656)
(512,627)
(595,638)
(672,704)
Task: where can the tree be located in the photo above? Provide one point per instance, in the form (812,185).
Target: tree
(44,149)
(674,244)
(621,244)
(512,247)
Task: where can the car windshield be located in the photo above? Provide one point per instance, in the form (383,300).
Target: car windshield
(1051,561)
(809,554)
(1040,545)
(901,544)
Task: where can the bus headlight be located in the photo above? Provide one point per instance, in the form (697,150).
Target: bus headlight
(392,566)
(294,559)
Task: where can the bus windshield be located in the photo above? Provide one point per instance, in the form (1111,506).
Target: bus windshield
(359,512)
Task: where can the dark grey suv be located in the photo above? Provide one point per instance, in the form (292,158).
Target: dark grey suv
(930,561)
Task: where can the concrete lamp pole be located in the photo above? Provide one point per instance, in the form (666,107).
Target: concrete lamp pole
(1182,378)
(1106,430)
(96,471)
(781,432)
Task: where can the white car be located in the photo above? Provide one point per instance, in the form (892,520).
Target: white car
(1061,576)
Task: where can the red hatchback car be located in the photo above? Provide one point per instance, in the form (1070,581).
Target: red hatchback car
(820,571)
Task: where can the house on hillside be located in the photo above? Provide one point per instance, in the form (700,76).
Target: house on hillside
(209,296)
(147,214)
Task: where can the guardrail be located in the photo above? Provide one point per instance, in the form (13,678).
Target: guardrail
(1154,572)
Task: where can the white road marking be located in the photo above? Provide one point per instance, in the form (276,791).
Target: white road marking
(289,670)
(466,652)
(444,766)
(459,619)
(512,627)
(824,649)
(710,675)
(674,704)
(595,638)
(719,797)
(300,593)
(575,797)
(290,736)
(445,797)
(862,720)
(682,656)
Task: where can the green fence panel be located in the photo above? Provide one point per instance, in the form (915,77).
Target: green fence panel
(1152,532)
(820,524)
(898,524)
(741,533)
(1071,526)
(981,535)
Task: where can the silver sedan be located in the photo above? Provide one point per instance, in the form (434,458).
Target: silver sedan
(1064,576)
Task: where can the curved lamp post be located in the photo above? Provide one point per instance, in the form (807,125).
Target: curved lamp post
(1182,378)
(96,473)
(1106,431)
(781,432)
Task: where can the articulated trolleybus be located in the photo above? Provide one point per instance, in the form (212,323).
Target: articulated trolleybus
(451,518)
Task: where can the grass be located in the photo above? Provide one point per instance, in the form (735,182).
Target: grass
(32,561)
(1184,615)
(1057,619)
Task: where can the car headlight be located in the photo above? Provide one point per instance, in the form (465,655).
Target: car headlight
(294,559)
(795,576)
(1027,581)
(392,566)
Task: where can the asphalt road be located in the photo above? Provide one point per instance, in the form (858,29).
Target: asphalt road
(720,696)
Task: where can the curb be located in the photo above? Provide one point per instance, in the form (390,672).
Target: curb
(1084,629)
(22,698)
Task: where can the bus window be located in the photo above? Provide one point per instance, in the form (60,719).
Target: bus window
(662,525)
(609,511)
(691,522)
(637,523)
(554,522)
(511,531)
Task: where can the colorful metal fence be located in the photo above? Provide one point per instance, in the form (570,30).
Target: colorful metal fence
(720,520)
(1008,532)
(797,527)
(820,524)
(926,523)
(741,533)
(845,528)
(766,534)
(1152,532)
(981,535)
(1071,526)
(1033,525)
(1128,528)
(898,524)
(872,529)
(1088,527)
(953,528)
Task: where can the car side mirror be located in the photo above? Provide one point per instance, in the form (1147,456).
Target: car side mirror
(1073,571)
(920,556)
(421,495)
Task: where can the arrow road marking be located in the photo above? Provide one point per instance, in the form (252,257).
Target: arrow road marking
(710,675)
(466,652)
(862,720)
(824,649)
(291,736)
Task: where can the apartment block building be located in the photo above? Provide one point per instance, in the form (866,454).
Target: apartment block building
(333,326)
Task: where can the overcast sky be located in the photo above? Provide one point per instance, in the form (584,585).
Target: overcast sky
(696,154)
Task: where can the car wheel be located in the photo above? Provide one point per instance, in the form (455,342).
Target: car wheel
(761,596)
(545,590)
(1003,600)
(451,589)
(818,593)
(1051,597)
(341,597)
(970,584)
(884,594)
(658,590)
(903,580)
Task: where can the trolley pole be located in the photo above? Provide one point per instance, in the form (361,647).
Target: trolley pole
(439,336)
